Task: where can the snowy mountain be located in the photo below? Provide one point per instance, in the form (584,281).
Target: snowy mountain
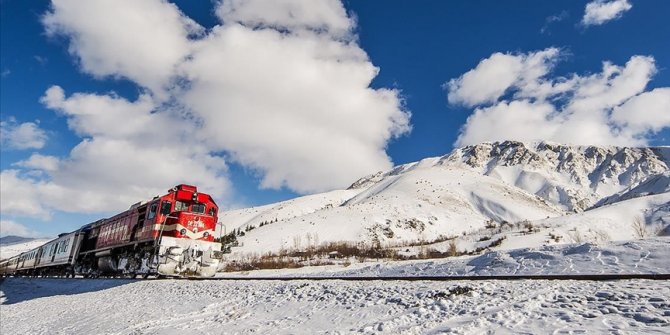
(574,177)
(14,245)
(511,190)
(11,239)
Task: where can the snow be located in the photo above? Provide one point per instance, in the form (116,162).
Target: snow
(578,193)
(628,257)
(558,210)
(241,305)
(10,250)
(333,307)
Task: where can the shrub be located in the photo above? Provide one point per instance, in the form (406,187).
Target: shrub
(639,227)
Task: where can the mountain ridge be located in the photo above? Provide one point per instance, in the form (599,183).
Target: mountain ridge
(461,193)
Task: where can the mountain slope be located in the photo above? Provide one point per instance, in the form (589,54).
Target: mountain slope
(468,190)
(11,239)
(17,246)
(574,177)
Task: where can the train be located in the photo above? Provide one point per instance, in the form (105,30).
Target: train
(168,236)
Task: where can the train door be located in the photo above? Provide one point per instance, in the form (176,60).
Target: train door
(54,251)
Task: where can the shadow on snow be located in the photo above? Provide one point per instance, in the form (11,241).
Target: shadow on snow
(15,290)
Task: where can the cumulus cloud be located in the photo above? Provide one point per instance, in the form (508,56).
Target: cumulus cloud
(21,195)
(646,112)
(138,40)
(498,73)
(598,12)
(280,87)
(130,151)
(606,108)
(20,136)
(297,108)
(328,16)
(11,228)
(40,162)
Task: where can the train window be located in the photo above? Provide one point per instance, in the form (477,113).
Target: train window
(212,211)
(180,206)
(166,207)
(198,208)
(152,211)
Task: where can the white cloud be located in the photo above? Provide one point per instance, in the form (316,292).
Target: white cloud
(21,195)
(40,162)
(27,135)
(646,112)
(324,15)
(598,12)
(11,228)
(606,108)
(519,120)
(138,40)
(498,73)
(297,108)
(285,94)
(281,87)
(130,152)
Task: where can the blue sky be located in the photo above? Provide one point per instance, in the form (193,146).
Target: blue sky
(256,106)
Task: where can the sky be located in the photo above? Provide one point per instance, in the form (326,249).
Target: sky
(106,103)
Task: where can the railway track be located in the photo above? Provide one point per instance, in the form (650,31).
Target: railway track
(588,277)
(584,277)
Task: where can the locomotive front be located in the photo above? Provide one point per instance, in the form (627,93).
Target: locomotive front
(184,232)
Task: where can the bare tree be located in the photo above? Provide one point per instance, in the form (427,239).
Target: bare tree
(296,242)
(453,249)
(640,227)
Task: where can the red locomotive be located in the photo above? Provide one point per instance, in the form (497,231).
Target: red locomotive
(170,235)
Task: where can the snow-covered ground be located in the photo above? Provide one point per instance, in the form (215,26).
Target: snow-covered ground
(638,256)
(244,306)
(59,306)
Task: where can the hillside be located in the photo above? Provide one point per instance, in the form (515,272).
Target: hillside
(511,190)
(10,239)
(14,245)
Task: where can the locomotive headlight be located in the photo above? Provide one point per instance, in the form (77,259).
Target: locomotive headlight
(206,234)
(183,232)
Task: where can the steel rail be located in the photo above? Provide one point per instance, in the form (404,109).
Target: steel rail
(575,277)
(585,277)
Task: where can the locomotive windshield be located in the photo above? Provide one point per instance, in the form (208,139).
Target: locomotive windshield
(180,206)
(194,208)
(198,208)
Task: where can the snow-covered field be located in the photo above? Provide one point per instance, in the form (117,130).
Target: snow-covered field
(58,306)
(82,306)
(630,257)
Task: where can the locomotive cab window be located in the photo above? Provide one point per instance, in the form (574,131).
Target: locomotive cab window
(166,207)
(198,208)
(212,211)
(152,211)
(180,206)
